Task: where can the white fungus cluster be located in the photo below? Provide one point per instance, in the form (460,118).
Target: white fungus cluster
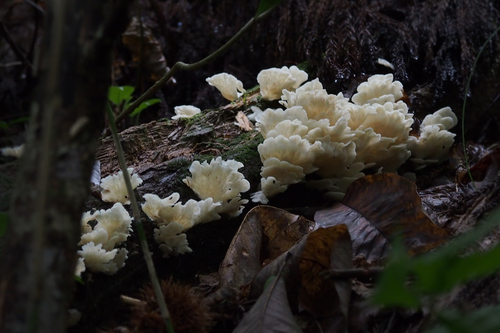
(219,186)
(98,252)
(338,139)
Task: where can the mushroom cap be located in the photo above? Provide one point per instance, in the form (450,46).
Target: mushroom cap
(316,101)
(227,84)
(378,89)
(185,111)
(273,80)
(114,188)
(98,259)
(153,205)
(295,150)
(218,179)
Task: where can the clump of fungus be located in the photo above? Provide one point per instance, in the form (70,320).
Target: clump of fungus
(230,87)
(98,243)
(340,139)
(114,188)
(173,218)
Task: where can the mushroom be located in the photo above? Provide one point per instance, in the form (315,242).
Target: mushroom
(114,188)
(230,87)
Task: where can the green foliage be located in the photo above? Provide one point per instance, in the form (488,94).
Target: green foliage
(266,5)
(484,320)
(407,279)
(438,271)
(7,124)
(118,95)
(123,95)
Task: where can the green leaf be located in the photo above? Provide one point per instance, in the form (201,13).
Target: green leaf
(144,105)
(265,5)
(79,280)
(117,95)
(484,320)
(4,219)
(19,120)
(438,271)
(391,287)
(4,125)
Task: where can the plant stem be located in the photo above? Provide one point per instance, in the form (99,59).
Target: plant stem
(138,224)
(467,88)
(190,67)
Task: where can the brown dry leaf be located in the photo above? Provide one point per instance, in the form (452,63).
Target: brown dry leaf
(325,300)
(328,249)
(281,228)
(145,48)
(378,207)
(243,122)
(266,232)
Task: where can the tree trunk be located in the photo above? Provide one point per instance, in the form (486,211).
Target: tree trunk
(52,185)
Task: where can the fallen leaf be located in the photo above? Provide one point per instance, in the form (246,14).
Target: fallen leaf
(271,312)
(376,208)
(266,232)
(326,301)
(243,122)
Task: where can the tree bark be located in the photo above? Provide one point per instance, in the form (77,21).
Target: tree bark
(52,186)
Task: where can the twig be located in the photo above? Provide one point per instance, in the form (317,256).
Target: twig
(338,274)
(137,222)
(189,67)
(5,33)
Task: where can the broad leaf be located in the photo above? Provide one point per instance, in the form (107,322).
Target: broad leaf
(144,105)
(378,207)
(117,95)
(271,312)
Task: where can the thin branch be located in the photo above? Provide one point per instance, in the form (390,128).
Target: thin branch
(138,224)
(20,55)
(189,67)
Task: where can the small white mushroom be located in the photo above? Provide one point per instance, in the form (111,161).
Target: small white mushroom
(185,111)
(230,87)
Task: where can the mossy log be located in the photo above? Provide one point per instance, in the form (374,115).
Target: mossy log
(162,151)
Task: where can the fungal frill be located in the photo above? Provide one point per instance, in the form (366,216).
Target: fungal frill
(273,80)
(221,181)
(229,86)
(114,188)
(185,111)
(171,239)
